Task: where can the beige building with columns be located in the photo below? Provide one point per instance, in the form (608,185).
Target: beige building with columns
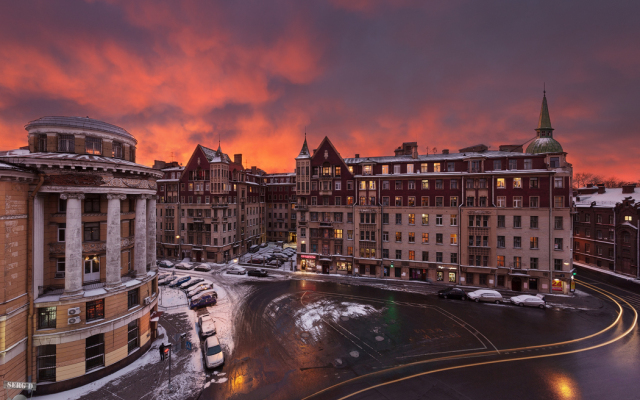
(79,246)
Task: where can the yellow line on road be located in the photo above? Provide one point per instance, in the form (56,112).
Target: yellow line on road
(476,354)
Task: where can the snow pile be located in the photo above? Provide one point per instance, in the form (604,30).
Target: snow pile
(170,297)
(314,313)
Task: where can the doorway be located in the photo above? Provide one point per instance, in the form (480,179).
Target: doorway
(325,268)
(198,256)
(516,284)
(91,269)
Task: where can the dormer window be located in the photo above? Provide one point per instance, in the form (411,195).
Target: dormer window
(409,168)
(117,150)
(42,143)
(367,170)
(93,145)
(396,169)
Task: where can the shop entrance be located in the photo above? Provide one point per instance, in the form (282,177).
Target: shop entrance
(516,284)
(418,274)
(325,268)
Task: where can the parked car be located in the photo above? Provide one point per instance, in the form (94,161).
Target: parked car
(205,292)
(257,260)
(184,265)
(179,281)
(165,264)
(163,275)
(486,295)
(202,301)
(207,326)
(257,272)
(263,244)
(190,283)
(203,268)
(529,301)
(169,280)
(237,270)
(275,263)
(453,293)
(213,356)
(254,248)
(201,287)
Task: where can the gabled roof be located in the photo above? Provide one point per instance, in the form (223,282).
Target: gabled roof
(214,156)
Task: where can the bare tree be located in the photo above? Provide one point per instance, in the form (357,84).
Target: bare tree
(582,178)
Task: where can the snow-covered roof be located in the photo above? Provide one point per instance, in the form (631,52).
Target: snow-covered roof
(32,158)
(172,169)
(79,122)
(610,197)
(436,157)
(213,156)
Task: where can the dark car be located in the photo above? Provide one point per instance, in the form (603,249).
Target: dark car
(206,300)
(452,293)
(257,272)
(180,281)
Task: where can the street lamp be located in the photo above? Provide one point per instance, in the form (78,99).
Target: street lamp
(179,246)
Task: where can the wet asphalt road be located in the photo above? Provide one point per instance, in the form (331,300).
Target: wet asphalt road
(296,338)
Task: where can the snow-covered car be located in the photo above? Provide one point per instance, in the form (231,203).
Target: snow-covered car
(179,281)
(207,326)
(190,283)
(165,264)
(213,356)
(257,272)
(184,265)
(169,281)
(263,244)
(486,295)
(203,268)
(237,270)
(204,293)
(202,301)
(529,301)
(201,287)
(274,263)
(163,275)
(257,260)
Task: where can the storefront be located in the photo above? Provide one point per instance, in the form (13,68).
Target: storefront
(307,263)
(344,267)
(446,274)
(418,274)
(324,265)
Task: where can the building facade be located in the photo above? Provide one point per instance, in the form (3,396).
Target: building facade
(605,231)
(281,201)
(79,254)
(478,217)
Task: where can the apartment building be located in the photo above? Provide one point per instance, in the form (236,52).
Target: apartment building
(480,217)
(78,264)
(605,228)
(281,200)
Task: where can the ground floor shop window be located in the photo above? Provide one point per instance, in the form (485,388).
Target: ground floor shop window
(500,280)
(308,265)
(132,335)
(483,279)
(373,270)
(386,271)
(94,352)
(452,277)
(533,284)
(398,272)
(439,275)
(469,278)
(344,266)
(46,363)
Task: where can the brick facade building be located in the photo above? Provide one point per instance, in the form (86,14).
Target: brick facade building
(78,269)
(478,217)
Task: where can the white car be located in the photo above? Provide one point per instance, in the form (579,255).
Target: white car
(237,271)
(486,295)
(207,326)
(184,265)
(201,287)
(205,292)
(213,356)
(529,301)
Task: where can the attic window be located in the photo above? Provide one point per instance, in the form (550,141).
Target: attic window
(367,170)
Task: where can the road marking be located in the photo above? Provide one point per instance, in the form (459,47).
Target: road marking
(635,321)
(506,351)
(443,352)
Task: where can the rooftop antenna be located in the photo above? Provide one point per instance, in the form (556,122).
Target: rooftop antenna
(544,88)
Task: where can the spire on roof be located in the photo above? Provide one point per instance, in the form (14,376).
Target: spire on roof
(545,122)
(304,152)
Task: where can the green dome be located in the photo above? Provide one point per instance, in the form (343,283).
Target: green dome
(544,145)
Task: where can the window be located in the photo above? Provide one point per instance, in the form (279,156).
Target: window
(133,298)
(439,238)
(558,223)
(398,201)
(501,242)
(385,185)
(94,352)
(398,236)
(409,168)
(534,202)
(398,219)
(533,222)
(558,182)
(528,164)
(438,256)
(517,242)
(95,310)
(398,254)
(46,363)
(425,238)
(93,145)
(385,236)
(557,244)
(451,167)
(453,239)
(132,335)
(501,221)
(453,219)
(425,256)
(558,201)
(554,162)
(533,242)
(517,201)
(439,201)
(438,219)
(500,183)
(47,318)
(337,185)
(497,164)
(517,183)
(66,144)
(116,150)
(502,201)
(439,184)
(412,201)
(557,264)
(500,261)
(628,218)
(412,237)
(513,164)
(425,184)
(60,265)
(412,219)
(92,231)
(412,256)
(424,201)
(454,201)
(517,221)
(517,262)
(385,169)
(533,183)
(533,263)
(385,218)
(92,203)
(61,232)
(41,144)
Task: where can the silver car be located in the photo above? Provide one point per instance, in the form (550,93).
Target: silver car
(529,301)
(237,271)
(486,295)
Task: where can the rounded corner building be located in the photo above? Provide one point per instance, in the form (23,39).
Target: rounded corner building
(78,265)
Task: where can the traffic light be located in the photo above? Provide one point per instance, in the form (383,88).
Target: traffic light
(391,265)
(574,273)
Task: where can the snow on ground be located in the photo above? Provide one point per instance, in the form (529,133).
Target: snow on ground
(170,297)
(223,315)
(314,313)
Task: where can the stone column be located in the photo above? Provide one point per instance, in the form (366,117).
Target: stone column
(114,240)
(151,232)
(140,246)
(73,244)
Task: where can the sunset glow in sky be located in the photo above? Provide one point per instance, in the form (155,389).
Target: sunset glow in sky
(368,74)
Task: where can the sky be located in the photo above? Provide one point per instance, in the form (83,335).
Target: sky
(368,74)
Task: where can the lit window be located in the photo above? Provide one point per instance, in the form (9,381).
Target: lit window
(500,183)
(517,183)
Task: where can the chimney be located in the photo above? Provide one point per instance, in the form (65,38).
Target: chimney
(237,159)
(445,151)
(630,188)
(254,169)
(601,188)
(589,185)
(357,155)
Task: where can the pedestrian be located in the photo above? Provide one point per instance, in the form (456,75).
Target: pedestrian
(162,352)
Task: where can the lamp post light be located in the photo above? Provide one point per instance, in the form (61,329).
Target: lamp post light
(179,246)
